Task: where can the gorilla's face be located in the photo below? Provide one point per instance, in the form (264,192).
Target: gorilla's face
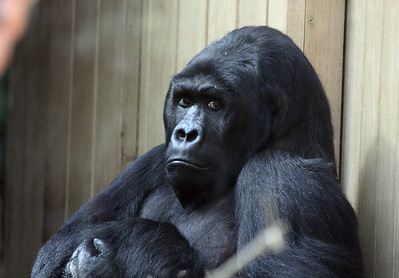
(211,131)
(218,114)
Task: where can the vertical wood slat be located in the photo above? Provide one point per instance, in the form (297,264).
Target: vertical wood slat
(296,21)
(15,154)
(158,64)
(369,120)
(388,149)
(131,78)
(354,63)
(191,33)
(108,127)
(222,18)
(25,148)
(396,220)
(58,115)
(81,133)
(252,12)
(369,138)
(277,14)
(324,42)
(33,197)
(371,130)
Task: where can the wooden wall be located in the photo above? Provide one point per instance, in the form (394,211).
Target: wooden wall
(182,28)
(370,171)
(87,89)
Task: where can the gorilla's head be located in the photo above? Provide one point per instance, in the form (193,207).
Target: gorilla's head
(250,91)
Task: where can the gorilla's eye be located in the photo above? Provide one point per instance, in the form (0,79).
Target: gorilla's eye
(185,102)
(214,104)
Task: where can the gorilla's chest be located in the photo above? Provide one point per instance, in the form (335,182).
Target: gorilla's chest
(210,230)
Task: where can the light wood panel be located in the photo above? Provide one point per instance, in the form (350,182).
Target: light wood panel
(252,12)
(324,44)
(364,150)
(296,21)
(355,54)
(277,14)
(158,64)
(191,31)
(222,18)
(388,145)
(370,130)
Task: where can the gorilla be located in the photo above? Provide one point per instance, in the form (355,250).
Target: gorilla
(248,140)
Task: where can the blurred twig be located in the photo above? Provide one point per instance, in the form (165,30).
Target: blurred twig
(268,240)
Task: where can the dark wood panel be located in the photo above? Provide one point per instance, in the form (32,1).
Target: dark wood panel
(131,78)
(82,104)
(25,151)
(58,120)
(108,121)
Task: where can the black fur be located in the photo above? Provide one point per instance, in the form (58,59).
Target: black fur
(248,140)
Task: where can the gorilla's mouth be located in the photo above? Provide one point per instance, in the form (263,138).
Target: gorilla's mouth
(187,163)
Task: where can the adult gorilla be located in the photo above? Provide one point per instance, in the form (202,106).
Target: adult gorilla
(248,139)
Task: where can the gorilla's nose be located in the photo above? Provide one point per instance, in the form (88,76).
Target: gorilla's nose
(187,133)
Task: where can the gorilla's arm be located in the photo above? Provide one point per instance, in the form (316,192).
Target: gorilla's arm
(134,247)
(122,199)
(322,239)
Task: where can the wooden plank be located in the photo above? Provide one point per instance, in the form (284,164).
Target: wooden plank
(59,81)
(392,79)
(222,18)
(82,109)
(296,21)
(158,64)
(396,220)
(36,130)
(130,75)
(324,39)
(15,156)
(108,121)
(369,121)
(371,141)
(191,33)
(277,14)
(25,149)
(354,77)
(388,150)
(252,12)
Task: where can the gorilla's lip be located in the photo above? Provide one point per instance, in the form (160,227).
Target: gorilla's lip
(187,163)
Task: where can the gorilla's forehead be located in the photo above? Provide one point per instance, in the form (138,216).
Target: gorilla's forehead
(198,84)
(227,71)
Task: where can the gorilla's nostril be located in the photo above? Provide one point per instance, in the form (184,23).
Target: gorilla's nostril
(180,134)
(186,135)
(192,135)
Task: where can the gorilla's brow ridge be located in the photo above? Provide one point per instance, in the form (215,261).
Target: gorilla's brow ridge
(198,87)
